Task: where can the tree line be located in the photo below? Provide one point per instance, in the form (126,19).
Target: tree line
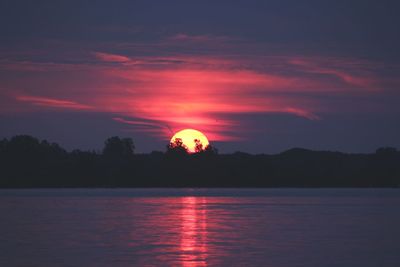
(27,162)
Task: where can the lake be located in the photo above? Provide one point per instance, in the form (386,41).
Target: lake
(200,227)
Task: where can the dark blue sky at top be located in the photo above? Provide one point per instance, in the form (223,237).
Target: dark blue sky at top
(369,27)
(363,38)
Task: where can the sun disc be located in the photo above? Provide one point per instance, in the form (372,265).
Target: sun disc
(189,137)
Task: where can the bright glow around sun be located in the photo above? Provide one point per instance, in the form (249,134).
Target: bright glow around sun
(188,137)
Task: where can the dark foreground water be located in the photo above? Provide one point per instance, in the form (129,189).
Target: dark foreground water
(207,227)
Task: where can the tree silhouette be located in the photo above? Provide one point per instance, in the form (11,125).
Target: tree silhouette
(24,144)
(210,150)
(3,144)
(177,147)
(29,162)
(198,146)
(115,147)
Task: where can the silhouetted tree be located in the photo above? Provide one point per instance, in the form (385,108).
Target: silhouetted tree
(52,149)
(177,147)
(24,147)
(3,144)
(198,146)
(28,162)
(115,147)
(210,150)
(156,154)
(24,143)
(207,151)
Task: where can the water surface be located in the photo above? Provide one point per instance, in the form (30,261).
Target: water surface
(200,227)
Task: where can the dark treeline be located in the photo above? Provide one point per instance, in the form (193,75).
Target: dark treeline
(27,162)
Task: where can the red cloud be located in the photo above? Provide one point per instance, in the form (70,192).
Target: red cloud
(182,97)
(106,57)
(160,95)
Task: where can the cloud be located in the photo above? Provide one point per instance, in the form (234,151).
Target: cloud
(53,102)
(31,66)
(144,125)
(188,97)
(301,113)
(362,78)
(162,94)
(205,38)
(106,57)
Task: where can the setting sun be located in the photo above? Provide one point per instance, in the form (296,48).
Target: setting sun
(191,138)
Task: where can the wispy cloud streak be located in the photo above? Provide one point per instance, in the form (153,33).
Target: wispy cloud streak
(106,57)
(53,102)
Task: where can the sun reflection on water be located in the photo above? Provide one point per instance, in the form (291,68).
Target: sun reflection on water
(193,238)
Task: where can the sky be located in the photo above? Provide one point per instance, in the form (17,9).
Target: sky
(253,76)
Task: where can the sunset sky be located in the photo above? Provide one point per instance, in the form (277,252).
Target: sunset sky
(254,76)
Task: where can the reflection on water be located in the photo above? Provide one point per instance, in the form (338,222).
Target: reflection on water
(123,231)
(193,232)
(173,229)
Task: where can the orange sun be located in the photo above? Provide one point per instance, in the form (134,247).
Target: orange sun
(194,140)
